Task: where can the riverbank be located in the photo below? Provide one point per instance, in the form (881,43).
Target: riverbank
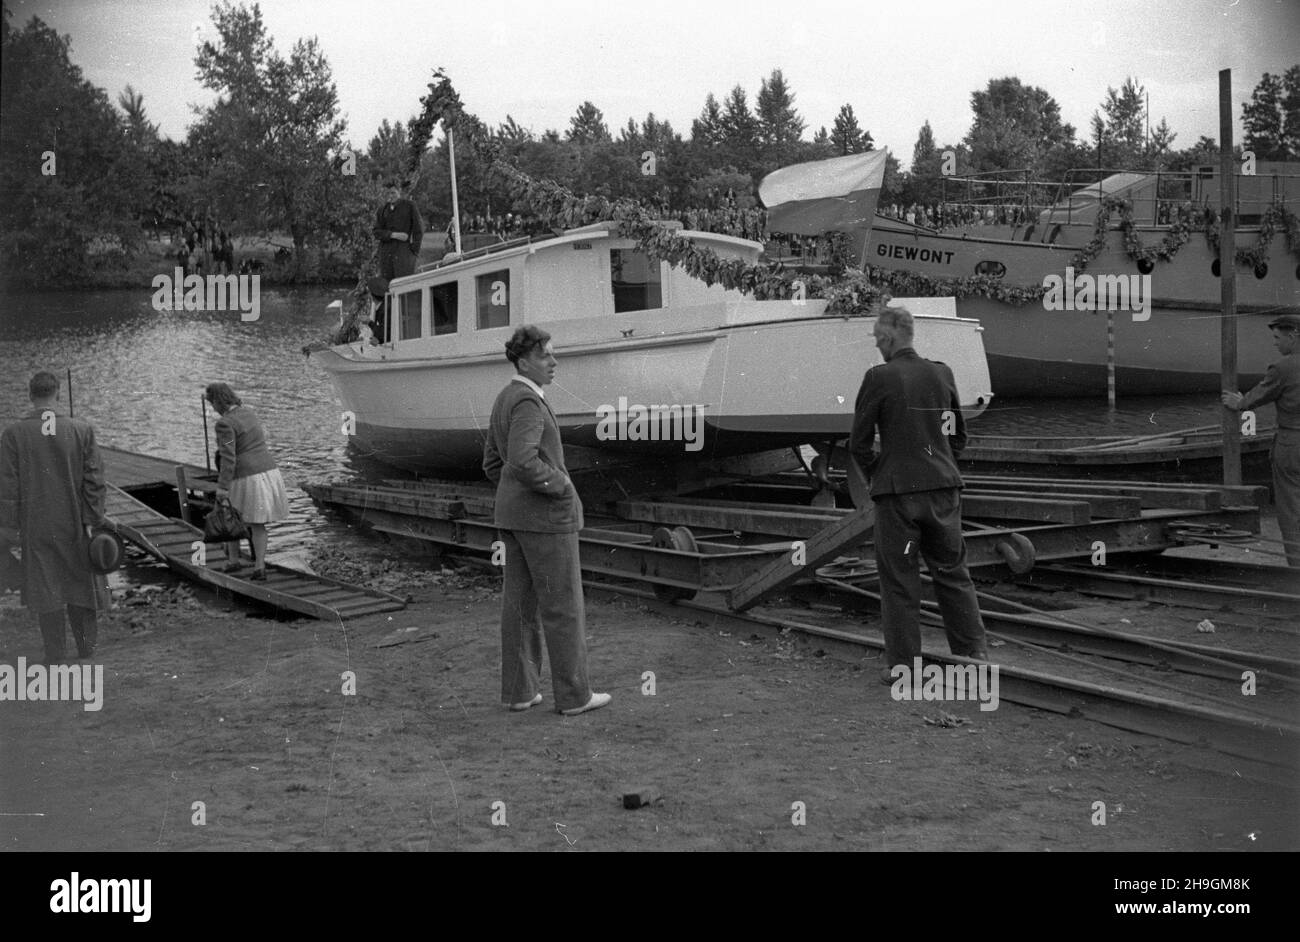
(209,703)
(111,270)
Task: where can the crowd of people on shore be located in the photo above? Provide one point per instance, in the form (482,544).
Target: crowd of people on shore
(203,246)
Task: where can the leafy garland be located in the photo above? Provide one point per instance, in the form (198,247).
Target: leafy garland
(1257,255)
(1180,231)
(849,292)
(557,206)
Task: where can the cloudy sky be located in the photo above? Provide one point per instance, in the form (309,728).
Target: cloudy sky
(897,62)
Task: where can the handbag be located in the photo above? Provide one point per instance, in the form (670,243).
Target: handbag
(223,523)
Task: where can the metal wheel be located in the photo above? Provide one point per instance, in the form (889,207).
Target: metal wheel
(682,540)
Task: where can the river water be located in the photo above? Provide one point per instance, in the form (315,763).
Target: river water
(138,373)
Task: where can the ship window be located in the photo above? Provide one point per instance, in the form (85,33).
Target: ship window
(410,312)
(444,308)
(635,280)
(493,292)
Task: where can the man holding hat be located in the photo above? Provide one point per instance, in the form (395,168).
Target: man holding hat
(1281,386)
(51,497)
(399,230)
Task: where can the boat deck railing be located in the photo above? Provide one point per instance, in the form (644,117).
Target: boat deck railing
(480,252)
(1155,199)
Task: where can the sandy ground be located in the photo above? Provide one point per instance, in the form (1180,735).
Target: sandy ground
(753,742)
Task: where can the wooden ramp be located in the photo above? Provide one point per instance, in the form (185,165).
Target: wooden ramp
(171,541)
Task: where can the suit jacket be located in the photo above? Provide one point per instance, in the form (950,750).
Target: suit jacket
(524,458)
(906,399)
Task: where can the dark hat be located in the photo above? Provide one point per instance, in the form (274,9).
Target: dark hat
(377,286)
(1286,322)
(106,551)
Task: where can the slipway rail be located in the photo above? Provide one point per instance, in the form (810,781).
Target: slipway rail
(1261,739)
(739,543)
(171,541)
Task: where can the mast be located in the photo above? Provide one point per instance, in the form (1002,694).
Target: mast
(455,201)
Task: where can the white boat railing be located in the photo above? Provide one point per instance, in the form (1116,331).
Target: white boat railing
(475,253)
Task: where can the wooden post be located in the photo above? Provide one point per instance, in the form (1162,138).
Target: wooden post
(1110,357)
(1228,279)
(182,493)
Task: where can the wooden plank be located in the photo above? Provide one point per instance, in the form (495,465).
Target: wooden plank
(1244,494)
(775,522)
(1102,505)
(332,597)
(1178,498)
(1024,508)
(399,501)
(824,546)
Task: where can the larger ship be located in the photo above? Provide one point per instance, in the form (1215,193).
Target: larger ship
(1165,341)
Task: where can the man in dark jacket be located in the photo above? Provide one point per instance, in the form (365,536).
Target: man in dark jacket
(1281,386)
(916,488)
(399,230)
(51,495)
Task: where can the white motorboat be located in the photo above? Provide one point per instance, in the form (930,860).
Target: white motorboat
(651,361)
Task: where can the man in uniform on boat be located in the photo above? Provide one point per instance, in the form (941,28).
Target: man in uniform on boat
(916,489)
(399,229)
(1281,386)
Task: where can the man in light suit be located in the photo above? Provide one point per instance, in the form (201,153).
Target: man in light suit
(916,488)
(539,514)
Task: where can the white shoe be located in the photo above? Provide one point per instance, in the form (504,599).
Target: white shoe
(520,707)
(597,701)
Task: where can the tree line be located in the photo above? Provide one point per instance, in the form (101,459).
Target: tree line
(88,181)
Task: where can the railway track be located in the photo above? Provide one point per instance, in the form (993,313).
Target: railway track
(740,546)
(1186,694)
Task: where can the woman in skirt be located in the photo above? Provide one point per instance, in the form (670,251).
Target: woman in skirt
(248,475)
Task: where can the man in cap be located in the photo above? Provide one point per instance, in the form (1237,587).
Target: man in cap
(399,230)
(51,496)
(1281,386)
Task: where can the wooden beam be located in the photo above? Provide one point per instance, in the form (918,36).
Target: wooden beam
(823,546)
(1101,505)
(1148,497)
(1051,510)
(745,519)
(182,494)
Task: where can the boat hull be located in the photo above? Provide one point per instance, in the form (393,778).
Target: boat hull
(1172,347)
(745,376)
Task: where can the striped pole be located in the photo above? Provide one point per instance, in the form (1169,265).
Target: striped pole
(1110,357)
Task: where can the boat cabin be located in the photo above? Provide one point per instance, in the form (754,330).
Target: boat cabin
(472,303)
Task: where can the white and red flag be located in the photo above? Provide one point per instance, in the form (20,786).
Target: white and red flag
(836,195)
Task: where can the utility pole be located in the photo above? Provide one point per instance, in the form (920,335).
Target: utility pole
(1228,279)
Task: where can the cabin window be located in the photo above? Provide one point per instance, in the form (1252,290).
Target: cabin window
(635,280)
(410,313)
(444,299)
(493,292)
